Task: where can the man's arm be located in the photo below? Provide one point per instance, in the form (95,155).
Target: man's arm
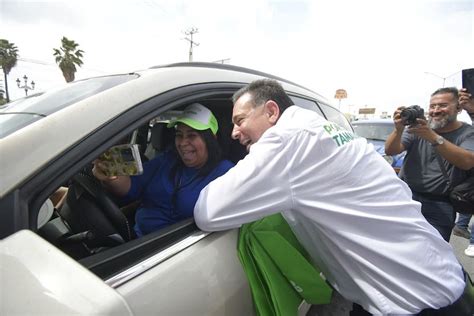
(256,187)
(458,156)
(393,144)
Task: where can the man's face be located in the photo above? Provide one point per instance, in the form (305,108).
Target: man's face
(249,122)
(443,110)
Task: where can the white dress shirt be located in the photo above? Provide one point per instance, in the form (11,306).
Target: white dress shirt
(347,207)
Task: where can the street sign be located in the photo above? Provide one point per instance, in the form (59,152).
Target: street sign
(340,94)
(367,111)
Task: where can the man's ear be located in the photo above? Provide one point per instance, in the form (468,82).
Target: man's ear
(272,111)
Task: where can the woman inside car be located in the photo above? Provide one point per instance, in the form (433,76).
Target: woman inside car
(171,182)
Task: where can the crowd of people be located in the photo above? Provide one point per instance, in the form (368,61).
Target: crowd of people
(380,240)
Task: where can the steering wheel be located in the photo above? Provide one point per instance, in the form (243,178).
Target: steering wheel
(90,211)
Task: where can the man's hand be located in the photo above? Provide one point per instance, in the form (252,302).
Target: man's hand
(466,101)
(397,119)
(393,144)
(423,130)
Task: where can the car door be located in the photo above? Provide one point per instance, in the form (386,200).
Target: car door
(179,270)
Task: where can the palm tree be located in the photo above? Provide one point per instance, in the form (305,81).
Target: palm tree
(8,59)
(2,100)
(67,57)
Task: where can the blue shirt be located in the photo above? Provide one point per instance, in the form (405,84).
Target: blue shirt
(163,201)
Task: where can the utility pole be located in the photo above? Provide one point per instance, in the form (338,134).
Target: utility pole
(190,32)
(221,61)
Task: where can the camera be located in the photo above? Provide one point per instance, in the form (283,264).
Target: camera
(411,113)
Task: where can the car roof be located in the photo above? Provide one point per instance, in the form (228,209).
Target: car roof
(30,148)
(372,121)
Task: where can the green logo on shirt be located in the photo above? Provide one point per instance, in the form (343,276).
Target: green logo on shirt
(338,134)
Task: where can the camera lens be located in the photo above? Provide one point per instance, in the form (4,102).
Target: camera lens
(411,113)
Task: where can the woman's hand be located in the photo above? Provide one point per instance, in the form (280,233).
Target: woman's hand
(118,185)
(99,173)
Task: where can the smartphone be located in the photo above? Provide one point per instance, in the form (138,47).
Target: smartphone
(122,160)
(468,80)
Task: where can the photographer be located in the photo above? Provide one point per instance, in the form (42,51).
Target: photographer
(423,140)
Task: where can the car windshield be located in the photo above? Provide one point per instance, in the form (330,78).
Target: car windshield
(375,131)
(20,113)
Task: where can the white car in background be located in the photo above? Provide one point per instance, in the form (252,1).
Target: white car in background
(79,257)
(376,131)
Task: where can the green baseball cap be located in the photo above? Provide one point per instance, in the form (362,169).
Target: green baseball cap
(198,117)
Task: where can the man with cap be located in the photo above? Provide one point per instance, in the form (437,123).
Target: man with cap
(171,182)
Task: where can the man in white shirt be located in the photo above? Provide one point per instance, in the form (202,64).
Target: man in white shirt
(343,201)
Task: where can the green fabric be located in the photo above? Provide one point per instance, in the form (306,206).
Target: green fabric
(278,268)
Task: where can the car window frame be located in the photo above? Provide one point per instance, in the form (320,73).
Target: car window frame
(24,202)
(343,118)
(306,103)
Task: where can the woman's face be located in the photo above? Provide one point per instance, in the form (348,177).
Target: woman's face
(191,146)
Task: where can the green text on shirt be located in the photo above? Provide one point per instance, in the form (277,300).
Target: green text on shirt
(338,134)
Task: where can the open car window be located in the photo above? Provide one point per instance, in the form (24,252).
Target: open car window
(72,225)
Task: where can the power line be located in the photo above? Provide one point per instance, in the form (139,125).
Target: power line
(36,61)
(40,62)
(152,4)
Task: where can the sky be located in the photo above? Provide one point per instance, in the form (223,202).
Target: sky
(385,54)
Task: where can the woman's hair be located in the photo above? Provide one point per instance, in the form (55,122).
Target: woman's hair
(214,155)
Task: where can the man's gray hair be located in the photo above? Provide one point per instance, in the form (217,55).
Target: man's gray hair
(451,90)
(263,90)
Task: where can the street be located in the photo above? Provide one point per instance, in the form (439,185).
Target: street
(339,306)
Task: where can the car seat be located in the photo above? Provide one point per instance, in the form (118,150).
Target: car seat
(161,137)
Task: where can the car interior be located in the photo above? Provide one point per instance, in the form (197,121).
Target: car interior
(91,226)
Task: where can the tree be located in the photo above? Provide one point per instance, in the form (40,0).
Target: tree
(2,99)
(68,57)
(8,59)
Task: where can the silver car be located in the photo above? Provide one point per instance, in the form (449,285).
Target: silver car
(66,245)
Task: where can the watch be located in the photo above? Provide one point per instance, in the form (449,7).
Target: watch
(438,141)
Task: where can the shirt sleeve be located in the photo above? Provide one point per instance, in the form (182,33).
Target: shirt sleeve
(256,187)
(407,139)
(468,142)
